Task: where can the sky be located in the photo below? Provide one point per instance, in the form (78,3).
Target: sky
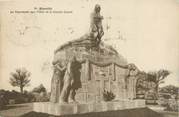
(148,31)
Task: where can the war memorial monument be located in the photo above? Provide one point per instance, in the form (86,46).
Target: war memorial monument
(90,76)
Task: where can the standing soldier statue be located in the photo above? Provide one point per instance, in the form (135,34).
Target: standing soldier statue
(93,38)
(96,28)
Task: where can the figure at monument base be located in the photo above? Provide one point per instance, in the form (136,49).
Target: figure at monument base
(57,82)
(71,81)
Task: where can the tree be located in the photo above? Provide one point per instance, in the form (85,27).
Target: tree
(40,89)
(157,77)
(40,94)
(20,78)
(173,90)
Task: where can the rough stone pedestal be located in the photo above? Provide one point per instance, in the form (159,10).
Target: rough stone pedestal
(64,109)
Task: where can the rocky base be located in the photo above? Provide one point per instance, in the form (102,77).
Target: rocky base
(69,109)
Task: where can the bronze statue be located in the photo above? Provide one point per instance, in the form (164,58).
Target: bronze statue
(71,81)
(93,38)
(96,28)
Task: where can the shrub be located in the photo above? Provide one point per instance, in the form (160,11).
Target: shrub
(172,105)
(108,96)
(39,89)
(12,101)
(20,100)
(40,94)
(41,97)
(2,102)
(14,97)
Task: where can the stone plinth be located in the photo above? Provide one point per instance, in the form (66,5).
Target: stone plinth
(64,109)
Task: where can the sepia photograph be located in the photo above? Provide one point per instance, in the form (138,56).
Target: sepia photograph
(89,58)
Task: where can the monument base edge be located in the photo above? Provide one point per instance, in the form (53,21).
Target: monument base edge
(66,109)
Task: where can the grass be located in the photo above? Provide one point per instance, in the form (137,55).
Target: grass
(16,110)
